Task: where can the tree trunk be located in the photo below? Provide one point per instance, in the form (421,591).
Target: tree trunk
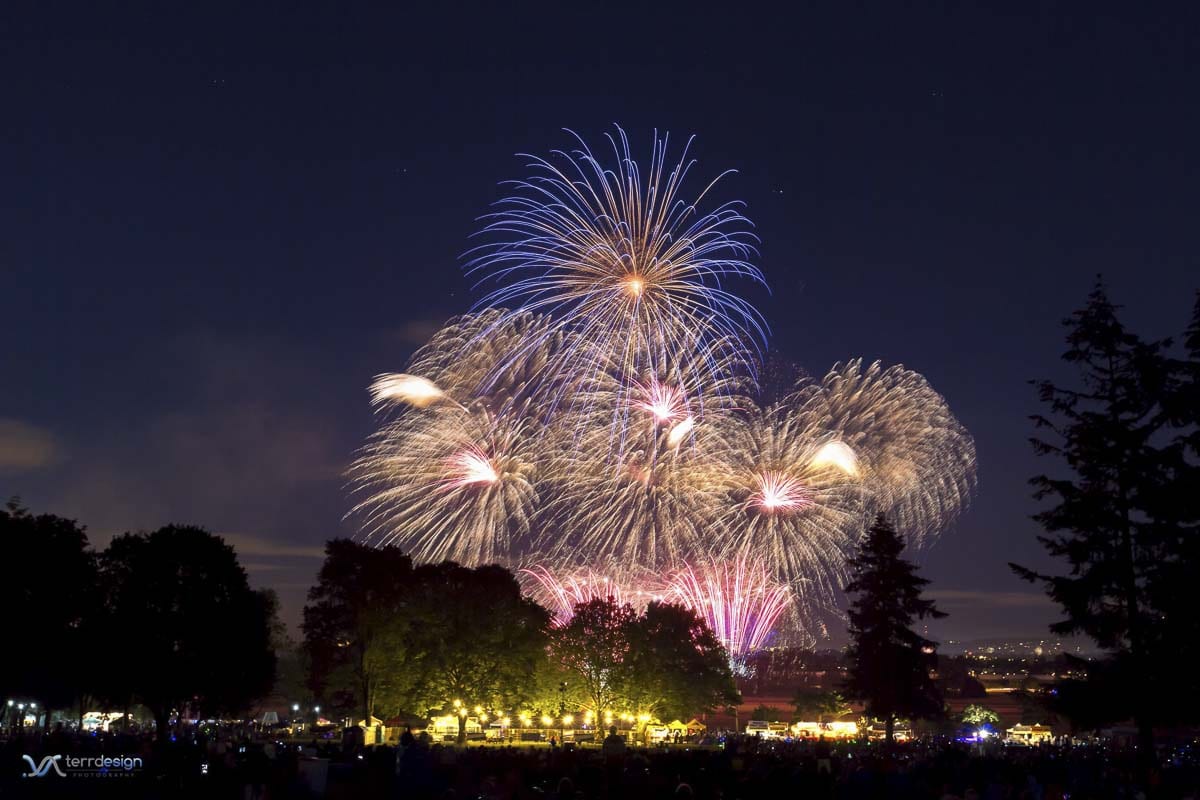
(1137,639)
(1146,756)
(162,720)
(366,702)
(461,739)
(890,731)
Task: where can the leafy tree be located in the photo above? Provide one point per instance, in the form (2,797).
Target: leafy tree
(1107,519)
(351,636)
(53,617)
(187,628)
(817,704)
(477,638)
(595,647)
(889,662)
(678,666)
(976,715)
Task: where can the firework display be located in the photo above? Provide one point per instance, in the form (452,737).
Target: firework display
(592,423)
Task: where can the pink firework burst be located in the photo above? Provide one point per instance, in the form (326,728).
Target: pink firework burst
(739,600)
(562,593)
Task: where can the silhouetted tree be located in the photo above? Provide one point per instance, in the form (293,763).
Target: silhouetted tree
(48,591)
(1107,518)
(350,624)
(187,629)
(889,662)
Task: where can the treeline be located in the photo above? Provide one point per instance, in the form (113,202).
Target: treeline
(386,638)
(165,619)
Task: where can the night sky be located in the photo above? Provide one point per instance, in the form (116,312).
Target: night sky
(219,222)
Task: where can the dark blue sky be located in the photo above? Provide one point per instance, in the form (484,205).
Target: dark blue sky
(217,222)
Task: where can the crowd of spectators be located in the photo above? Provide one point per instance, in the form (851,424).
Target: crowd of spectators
(222,765)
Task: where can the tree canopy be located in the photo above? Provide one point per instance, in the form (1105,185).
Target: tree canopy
(187,629)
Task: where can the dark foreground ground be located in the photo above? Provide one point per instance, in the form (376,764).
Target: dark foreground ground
(739,769)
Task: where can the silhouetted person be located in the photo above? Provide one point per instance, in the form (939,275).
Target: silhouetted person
(614,743)
(824,764)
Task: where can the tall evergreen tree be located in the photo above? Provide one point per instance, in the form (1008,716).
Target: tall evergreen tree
(890,663)
(1107,518)
(1178,572)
